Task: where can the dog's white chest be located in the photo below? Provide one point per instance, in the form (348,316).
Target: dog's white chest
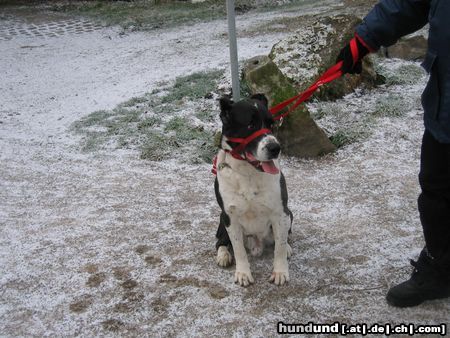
(253,200)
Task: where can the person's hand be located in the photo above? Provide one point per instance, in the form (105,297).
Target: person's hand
(352,59)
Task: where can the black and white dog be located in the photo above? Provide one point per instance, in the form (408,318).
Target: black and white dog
(251,190)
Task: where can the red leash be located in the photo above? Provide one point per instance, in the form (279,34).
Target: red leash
(330,75)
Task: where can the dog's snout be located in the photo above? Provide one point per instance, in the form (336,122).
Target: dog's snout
(273,149)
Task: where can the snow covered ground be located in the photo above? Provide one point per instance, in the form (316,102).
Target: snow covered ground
(104,243)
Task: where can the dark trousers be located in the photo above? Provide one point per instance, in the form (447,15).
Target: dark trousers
(434,201)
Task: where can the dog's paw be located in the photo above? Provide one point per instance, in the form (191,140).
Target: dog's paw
(289,251)
(279,278)
(224,257)
(243,278)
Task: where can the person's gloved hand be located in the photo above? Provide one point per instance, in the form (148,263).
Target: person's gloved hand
(352,63)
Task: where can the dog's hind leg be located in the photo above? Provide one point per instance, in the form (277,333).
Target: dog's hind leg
(287,211)
(224,257)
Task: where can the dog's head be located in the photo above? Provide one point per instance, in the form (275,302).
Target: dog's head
(243,119)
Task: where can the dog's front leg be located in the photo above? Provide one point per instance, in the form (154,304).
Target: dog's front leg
(280,274)
(243,275)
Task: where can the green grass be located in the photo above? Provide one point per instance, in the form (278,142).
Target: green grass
(205,115)
(195,86)
(391,106)
(342,138)
(328,109)
(152,123)
(178,143)
(148,123)
(245,90)
(134,101)
(353,132)
(347,127)
(407,74)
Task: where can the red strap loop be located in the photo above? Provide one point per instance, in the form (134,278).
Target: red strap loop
(330,75)
(243,142)
(354,49)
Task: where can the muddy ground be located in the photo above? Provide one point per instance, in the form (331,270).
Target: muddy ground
(103,243)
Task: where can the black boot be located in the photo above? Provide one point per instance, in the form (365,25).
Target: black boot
(429,280)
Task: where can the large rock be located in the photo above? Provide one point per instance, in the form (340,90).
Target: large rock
(313,48)
(411,48)
(299,135)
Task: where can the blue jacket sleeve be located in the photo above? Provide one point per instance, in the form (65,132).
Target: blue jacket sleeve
(389,20)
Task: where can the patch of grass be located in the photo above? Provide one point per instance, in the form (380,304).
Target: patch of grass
(101,126)
(342,138)
(93,141)
(206,115)
(157,147)
(134,101)
(153,123)
(194,86)
(351,134)
(176,124)
(94,119)
(391,106)
(327,109)
(406,74)
(149,123)
(177,141)
(244,88)
(184,133)
(345,126)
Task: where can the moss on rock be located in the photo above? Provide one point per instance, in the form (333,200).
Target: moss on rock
(299,134)
(313,48)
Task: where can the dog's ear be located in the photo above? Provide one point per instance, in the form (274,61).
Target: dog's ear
(225,108)
(225,104)
(261,97)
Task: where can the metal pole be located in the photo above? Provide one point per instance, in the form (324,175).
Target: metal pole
(233,50)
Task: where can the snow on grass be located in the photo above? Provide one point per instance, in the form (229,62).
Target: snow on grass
(356,115)
(175,122)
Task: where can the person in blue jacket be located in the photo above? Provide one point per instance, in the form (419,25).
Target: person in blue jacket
(383,26)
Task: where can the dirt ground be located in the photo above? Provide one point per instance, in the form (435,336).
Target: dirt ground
(104,244)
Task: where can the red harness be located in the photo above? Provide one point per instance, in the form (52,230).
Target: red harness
(243,142)
(330,75)
(237,151)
